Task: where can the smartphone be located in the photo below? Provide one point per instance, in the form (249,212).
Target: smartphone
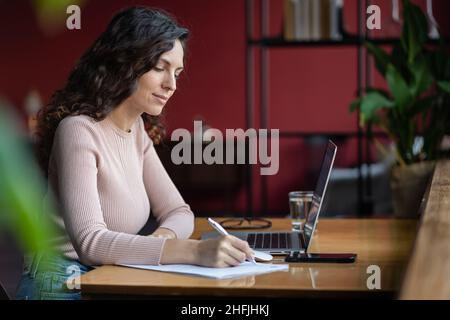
(296,256)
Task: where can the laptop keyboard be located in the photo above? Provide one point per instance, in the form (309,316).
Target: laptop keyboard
(269,240)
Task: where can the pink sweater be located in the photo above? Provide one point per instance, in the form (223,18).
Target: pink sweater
(106,180)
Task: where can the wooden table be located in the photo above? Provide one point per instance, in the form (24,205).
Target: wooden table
(428,272)
(385,243)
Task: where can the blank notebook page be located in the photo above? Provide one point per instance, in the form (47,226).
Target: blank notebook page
(244,269)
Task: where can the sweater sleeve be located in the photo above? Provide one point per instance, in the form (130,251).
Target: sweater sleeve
(168,207)
(76,161)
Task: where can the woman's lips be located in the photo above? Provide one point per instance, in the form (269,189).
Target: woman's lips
(162,99)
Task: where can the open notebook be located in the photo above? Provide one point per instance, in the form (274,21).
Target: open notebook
(244,269)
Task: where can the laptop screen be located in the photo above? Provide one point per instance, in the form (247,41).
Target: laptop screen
(319,193)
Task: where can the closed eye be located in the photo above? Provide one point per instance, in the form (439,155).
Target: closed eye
(157,69)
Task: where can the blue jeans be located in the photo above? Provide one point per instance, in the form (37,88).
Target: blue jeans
(51,278)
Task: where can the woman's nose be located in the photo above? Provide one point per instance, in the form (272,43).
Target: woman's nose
(170,83)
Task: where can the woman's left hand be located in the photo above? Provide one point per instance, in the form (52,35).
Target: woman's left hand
(164,233)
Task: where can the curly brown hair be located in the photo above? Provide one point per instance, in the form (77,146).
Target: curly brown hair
(108,71)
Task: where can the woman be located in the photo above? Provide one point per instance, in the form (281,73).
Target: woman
(96,145)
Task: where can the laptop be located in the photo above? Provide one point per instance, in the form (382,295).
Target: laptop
(284,242)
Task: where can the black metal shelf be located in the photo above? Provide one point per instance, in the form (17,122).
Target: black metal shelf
(363,76)
(280,42)
(336,134)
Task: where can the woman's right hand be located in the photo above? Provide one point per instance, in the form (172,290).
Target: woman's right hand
(221,252)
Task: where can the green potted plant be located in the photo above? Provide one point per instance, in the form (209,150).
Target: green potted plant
(413,111)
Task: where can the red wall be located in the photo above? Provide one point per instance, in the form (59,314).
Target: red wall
(310,87)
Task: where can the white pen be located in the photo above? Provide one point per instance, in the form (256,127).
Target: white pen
(222,231)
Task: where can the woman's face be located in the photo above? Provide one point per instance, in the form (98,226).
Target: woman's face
(156,86)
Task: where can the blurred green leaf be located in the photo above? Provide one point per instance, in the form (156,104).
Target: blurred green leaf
(52,14)
(21,190)
(398,87)
(415,29)
(422,77)
(444,85)
(372,102)
(55,6)
(354,104)
(399,59)
(381,57)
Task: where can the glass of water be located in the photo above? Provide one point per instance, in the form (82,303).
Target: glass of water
(299,204)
